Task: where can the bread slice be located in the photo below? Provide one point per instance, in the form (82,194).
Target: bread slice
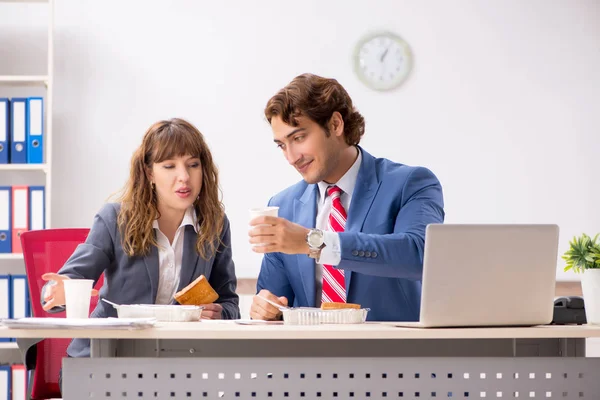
(196,293)
(339,306)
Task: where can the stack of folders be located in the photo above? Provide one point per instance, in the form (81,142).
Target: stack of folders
(22,130)
(14,299)
(13,382)
(22,209)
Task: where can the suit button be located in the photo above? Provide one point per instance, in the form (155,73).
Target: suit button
(354,253)
(374,255)
(367,254)
(361,253)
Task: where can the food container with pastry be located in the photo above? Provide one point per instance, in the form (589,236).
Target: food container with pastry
(329,313)
(162,312)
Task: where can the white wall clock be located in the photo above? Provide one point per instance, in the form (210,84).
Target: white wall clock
(382,60)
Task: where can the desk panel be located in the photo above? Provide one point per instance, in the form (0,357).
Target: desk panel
(333,378)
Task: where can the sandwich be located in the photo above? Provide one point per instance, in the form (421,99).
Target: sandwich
(196,293)
(339,306)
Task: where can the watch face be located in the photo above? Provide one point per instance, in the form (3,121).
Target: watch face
(382,60)
(315,239)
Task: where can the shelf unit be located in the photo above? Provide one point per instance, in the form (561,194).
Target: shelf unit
(24,80)
(23,1)
(46,81)
(11,256)
(40,172)
(23,167)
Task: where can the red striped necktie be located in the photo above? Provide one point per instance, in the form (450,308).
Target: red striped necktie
(334,284)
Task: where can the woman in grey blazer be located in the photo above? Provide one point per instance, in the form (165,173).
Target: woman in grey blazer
(167,228)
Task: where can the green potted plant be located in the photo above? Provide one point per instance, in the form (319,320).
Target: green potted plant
(583,257)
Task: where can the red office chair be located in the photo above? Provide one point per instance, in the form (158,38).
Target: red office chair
(47,251)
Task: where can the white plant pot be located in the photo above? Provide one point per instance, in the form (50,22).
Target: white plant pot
(590,285)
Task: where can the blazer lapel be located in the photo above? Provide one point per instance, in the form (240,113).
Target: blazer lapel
(305,214)
(190,257)
(367,185)
(151,261)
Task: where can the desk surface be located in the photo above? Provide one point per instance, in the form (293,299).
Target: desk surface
(230,330)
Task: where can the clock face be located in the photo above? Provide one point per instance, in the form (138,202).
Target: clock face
(382,61)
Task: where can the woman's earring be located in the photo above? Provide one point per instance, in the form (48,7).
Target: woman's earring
(152,185)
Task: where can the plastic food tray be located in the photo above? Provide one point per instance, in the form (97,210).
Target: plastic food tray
(165,313)
(316,316)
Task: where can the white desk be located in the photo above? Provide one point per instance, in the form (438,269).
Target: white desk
(214,360)
(369,330)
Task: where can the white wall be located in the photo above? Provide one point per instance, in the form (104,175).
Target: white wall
(503,103)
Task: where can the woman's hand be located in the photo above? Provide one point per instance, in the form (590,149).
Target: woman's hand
(54,295)
(211,311)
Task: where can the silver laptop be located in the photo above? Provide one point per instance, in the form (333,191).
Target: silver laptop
(488,275)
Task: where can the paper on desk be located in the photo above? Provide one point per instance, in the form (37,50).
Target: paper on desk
(85,323)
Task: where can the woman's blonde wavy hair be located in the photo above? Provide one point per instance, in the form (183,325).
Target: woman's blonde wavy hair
(163,141)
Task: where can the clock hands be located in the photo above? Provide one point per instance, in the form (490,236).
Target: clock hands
(384,53)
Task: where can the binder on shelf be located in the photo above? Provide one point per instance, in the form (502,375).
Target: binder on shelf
(20,215)
(18,382)
(18,130)
(5,219)
(4,130)
(35,130)
(5,299)
(5,375)
(37,208)
(20,297)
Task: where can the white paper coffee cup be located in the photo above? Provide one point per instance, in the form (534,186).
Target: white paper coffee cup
(78,295)
(268,211)
(263,211)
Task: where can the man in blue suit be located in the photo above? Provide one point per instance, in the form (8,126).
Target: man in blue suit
(368,248)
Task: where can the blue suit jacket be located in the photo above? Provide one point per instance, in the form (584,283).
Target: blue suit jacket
(382,246)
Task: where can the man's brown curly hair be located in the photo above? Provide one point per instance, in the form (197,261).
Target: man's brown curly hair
(316,98)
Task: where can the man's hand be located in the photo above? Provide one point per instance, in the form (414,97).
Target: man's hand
(54,294)
(212,311)
(261,309)
(279,235)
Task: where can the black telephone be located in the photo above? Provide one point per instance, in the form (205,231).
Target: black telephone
(569,310)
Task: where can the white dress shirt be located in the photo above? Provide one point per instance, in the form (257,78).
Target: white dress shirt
(170,257)
(332,252)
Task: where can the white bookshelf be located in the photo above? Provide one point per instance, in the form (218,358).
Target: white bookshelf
(20,80)
(46,81)
(24,1)
(10,256)
(23,167)
(9,263)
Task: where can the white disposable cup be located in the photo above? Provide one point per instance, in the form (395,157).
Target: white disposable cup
(266,211)
(78,294)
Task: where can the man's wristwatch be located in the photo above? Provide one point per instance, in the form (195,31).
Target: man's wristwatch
(316,241)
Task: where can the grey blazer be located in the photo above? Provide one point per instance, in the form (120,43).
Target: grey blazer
(134,280)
